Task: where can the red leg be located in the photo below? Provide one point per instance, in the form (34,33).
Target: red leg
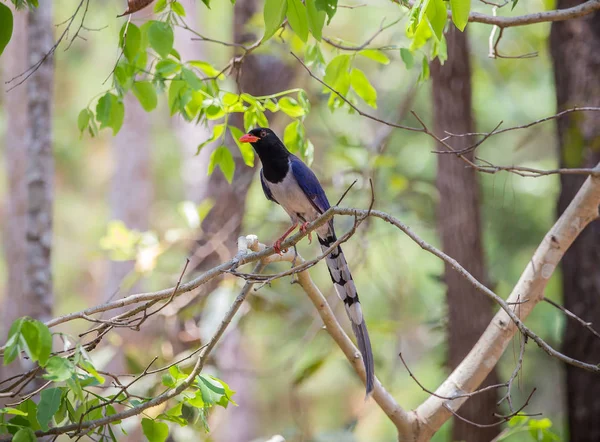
(277,245)
(303,230)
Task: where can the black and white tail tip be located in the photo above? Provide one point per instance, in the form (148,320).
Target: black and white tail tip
(346,290)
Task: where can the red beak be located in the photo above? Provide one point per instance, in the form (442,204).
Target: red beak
(248,138)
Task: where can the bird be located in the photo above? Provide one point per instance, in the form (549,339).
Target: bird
(287,181)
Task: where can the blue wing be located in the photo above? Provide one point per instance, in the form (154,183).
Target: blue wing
(309,184)
(265,188)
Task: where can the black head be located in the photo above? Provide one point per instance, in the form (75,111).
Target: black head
(271,151)
(265,143)
(261,137)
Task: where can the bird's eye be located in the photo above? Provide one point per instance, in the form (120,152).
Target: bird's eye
(263,133)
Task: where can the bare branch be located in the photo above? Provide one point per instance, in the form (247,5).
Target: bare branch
(521,20)
(169,394)
(486,353)
(587,325)
(486,168)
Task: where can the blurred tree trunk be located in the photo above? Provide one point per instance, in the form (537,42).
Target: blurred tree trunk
(40,166)
(30,163)
(459,223)
(131,185)
(190,135)
(260,75)
(575,48)
(14,62)
(130,202)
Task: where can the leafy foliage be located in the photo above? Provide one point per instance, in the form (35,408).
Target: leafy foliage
(73,396)
(532,429)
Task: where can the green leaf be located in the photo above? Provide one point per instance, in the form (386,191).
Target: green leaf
(48,406)
(13,341)
(298,18)
(460,12)
(207,68)
(291,107)
(222,157)
(192,79)
(316,19)
(178,8)
(45,343)
(59,369)
(146,94)
(25,435)
(292,136)
(87,366)
(407,58)
(362,86)
(132,42)
(303,100)
(329,6)
(437,16)
(14,411)
(160,6)
(419,30)
(424,69)
(177,96)
(313,55)
(160,36)
(30,342)
(517,421)
(218,130)
(245,148)
(110,112)
(376,55)
(336,68)
(167,67)
(30,408)
(274,13)
(227,397)
(83,120)
(337,74)
(6,26)
(155,431)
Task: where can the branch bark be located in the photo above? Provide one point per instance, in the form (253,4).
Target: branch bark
(527,293)
(581,10)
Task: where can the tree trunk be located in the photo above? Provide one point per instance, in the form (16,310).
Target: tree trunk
(15,61)
(40,166)
(30,164)
(460,228)
(260,75)
(575,48)
(131,185)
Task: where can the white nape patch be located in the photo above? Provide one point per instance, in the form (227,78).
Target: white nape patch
(355,312)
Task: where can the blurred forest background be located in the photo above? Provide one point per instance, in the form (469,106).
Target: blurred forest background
(129,209)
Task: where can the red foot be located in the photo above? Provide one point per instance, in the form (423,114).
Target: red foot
(277,246)
(303,230)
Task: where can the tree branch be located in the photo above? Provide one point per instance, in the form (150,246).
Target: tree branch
(486,353)
(521,20)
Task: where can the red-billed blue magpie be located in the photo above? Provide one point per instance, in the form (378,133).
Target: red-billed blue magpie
(290,183)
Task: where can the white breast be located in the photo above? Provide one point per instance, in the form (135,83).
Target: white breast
(291,197)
